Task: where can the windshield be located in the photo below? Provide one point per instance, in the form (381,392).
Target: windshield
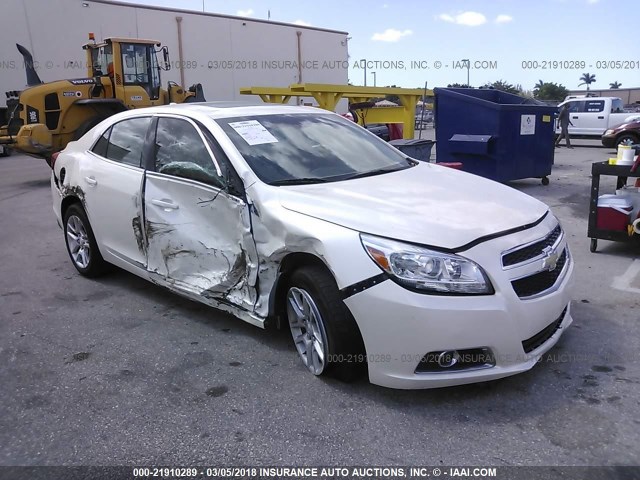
(101,59)
(310,148)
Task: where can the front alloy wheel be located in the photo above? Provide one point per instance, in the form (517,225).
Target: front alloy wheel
(307,329)
(627,140)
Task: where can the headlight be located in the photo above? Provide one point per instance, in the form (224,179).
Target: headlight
(609,132)
(427,270)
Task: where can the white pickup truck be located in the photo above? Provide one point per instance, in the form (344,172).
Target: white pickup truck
(592,116)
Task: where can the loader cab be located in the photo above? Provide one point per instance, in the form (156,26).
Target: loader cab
(132,67)
(140,68)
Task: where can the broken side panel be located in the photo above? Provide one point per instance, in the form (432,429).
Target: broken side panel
(199,241)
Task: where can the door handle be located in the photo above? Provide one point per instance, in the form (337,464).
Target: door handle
(165,204)
(575,118)
(91,181)
(600,118)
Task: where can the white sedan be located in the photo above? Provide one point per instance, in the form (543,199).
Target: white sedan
(291,216)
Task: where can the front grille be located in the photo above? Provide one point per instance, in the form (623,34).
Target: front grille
(531,251)
(530,344)
(541,281)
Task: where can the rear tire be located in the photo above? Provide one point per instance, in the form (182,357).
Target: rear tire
(86,126)
(325,333)
(81,243)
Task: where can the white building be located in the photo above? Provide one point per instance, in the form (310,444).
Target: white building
(221,52)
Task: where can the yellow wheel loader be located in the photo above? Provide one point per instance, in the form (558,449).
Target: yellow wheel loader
(122,73)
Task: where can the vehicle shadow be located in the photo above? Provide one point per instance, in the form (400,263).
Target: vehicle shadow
(566,377)
(177,306)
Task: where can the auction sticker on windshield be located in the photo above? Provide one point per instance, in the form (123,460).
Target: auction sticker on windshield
(253,132)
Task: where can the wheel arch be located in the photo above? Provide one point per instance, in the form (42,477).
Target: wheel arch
(277,299)
(289,264)
(68,201)
(633,135)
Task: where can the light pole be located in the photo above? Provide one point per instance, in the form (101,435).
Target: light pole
(365,71)
(374,78)
(468,62)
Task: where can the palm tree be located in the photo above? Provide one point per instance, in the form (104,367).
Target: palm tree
(538,86)
(615,85)
(587,79)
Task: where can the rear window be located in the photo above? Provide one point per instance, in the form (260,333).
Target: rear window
(617,106)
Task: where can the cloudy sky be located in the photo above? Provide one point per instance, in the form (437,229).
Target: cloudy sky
(502,38)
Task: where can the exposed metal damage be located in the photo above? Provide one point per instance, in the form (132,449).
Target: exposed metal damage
(72,191)
(196,252)
(137,231)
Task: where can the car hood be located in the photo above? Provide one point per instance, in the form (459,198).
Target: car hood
(426,204)
(633,125)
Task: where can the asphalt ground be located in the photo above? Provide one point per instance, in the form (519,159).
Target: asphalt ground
(118,371)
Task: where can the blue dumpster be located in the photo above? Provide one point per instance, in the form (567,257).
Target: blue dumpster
(495,134)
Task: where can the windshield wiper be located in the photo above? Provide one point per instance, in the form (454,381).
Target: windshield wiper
(370,173)
(298,181)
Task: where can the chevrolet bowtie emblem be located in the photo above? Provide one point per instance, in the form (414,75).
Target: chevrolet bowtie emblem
(551,259)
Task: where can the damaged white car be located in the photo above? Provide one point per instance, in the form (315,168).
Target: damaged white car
(291,216)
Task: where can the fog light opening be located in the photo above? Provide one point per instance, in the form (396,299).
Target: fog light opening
(451,361)
(448,358)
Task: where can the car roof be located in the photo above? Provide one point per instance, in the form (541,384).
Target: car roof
(227,109)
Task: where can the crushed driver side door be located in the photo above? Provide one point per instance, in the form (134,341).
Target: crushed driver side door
(198,232)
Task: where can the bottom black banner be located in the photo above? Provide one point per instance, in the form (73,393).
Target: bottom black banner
(321,472)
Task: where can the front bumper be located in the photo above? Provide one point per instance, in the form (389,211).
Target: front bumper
(399,326)
(609,141)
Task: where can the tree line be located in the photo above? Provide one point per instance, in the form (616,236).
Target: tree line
(542,90)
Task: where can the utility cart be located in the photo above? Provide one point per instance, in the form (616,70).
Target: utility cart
(623,172)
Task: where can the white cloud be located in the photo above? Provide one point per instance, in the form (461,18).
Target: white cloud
(391,35)
(302,23)
(591,2)
(386,5)
(502,18)
(245,13)
(470,19)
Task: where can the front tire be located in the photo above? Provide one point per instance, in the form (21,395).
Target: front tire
(324,332)
(627,139)
(81,243)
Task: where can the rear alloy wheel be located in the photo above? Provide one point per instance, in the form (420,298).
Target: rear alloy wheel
(324,332)
(81,243)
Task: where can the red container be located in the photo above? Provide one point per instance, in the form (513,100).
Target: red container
(613,213)
(454,165)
